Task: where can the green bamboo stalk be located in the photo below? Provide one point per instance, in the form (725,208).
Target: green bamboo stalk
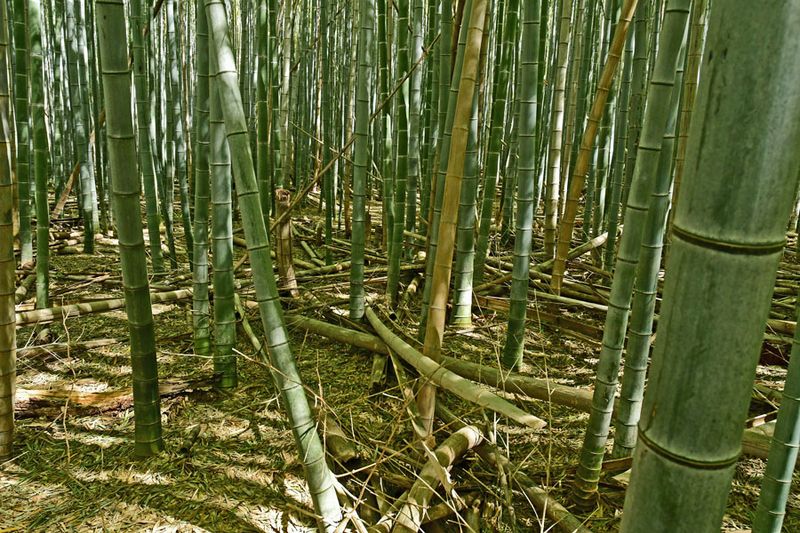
(587,143)
(387,175)
(222,238)
(620,138)
(274,108)
(95,99)
(361,149)
(646,289)
(262,110)
(40,153)
(777,480)
(444,154)
(200,305)
(8,343)
(163,138)
(22,117)
(656,116)
(430,126)
(728,237)
(401,170)
(139,16)
(434,332)
(328,183)
(287,379)
(528,100)
(414,119)
(176,112)
(54,37)
(556,130)
(697,34)
(125,191)
(287,14)
(641,51)
(79,93)
(506,36)
(465,232)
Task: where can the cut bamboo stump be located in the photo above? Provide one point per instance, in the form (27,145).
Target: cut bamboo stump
(542,501)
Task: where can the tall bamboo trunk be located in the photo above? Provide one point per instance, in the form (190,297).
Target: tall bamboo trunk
(286,376)
(727,239)
(125,191)
(8,343)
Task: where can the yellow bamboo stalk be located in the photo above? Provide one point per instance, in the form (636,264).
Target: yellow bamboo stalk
(587,143)
(442,268)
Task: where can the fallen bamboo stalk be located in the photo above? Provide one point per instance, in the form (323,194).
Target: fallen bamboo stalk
(544,503)
(755,442)
(31,402)
(63,347)
(585,330)
(43,316)
(450,381)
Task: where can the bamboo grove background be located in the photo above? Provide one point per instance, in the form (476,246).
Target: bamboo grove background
(437,135)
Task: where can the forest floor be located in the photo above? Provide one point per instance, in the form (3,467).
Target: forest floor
(230,462)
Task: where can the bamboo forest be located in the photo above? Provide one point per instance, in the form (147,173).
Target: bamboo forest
(396,266)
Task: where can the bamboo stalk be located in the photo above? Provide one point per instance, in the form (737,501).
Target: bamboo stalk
(584,155)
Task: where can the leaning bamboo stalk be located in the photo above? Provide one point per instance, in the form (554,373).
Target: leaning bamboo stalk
(286,375)
(438,375)
(589,135)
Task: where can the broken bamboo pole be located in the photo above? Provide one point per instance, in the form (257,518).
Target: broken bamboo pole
(450,381)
